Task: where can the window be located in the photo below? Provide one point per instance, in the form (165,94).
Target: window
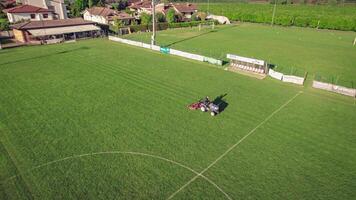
(33,16)
(45,16)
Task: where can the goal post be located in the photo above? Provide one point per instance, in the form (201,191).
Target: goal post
(206,25)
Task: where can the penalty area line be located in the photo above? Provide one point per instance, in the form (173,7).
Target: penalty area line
(235,145)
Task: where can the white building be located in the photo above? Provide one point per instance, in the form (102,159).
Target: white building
(28,13)
(102,15)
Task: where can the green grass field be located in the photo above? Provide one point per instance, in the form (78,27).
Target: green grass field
(101,120)
(336,17)
(293,50)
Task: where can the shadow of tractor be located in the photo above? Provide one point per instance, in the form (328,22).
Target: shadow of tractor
(221,102)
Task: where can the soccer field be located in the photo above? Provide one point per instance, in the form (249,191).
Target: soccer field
(293,50)
(102,120)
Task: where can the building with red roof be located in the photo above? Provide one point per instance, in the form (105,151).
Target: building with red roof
(28,13)
(102,15)
(186,10)
(52,31)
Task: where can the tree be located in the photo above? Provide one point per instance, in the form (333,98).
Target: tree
(118,24)
(78,6)
(160,17)
(123,4)
(145,18)
(171,16)
(195,17)
(115,6)
(128,11)
(92,3)
(4,25)
(332,2)
(202,16)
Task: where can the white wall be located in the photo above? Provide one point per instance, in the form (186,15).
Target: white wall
(15,17)
(94,18)
(38,3)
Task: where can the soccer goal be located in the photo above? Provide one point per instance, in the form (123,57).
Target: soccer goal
(124,31)
(206,26)
(247,64)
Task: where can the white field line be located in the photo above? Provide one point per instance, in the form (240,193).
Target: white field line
(120,152)
(235,145)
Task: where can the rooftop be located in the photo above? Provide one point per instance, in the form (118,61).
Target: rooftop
(51,23)
(27,9)
(185,7)
(102,11)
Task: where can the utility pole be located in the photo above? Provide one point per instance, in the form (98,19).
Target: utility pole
(208,7)
(274,12)
(153,38)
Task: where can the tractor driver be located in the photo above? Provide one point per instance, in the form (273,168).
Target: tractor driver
(206,100)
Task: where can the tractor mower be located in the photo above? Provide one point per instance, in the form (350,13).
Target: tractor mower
(205,105)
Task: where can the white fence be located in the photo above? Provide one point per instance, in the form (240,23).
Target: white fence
(274,74)
(187,55)
(286,78)
(334,88)
(171,51)
(293,79)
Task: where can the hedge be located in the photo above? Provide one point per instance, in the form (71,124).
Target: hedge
(161,26)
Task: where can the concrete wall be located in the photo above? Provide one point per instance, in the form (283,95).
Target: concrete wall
(335,88)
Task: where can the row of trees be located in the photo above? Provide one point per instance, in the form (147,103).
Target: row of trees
(171,17)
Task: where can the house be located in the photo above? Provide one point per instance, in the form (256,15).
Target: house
(28,12)
(58,6)
(144,6)
(53,31)
(106,16)
(186,10)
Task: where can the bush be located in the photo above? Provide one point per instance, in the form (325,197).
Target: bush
(195,17)
(171,16)
(4,25)
(160,17)
(184,24)
(202,16)
(145,18)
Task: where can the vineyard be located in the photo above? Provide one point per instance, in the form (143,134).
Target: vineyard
(317,16)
